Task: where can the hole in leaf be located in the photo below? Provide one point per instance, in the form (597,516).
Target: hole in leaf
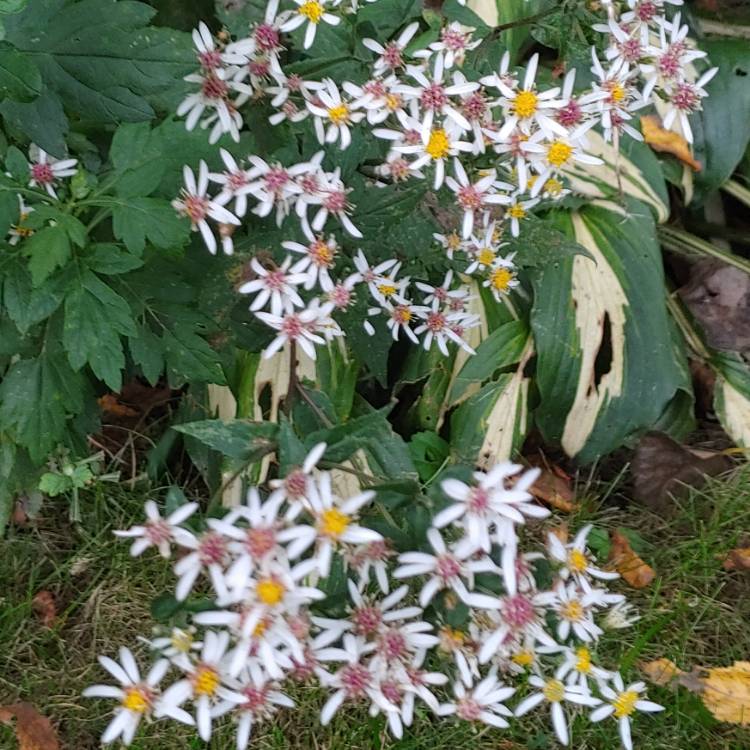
(603,361)
(740,72)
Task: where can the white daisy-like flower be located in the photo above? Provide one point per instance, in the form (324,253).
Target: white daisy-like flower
(299,327)
(451,243)
(455,41)
(19,231)
(138,697)
(368,559)
(517,212)
(294,487)
(501,277)
(574,608)
(622,703)
(620,616)
(685,100)
(332,116)
(483,702)
(275,185)
(376,97)
(319,258)
(46,171)
(438,327)
(333,198)
(483,251)
(312,12)
(157,531)
(575,560)
(278,285)
(180,641)
(446,569)
(578,668)
(235,183)
(402,313)
(554,691)
(195,203)
(391,55)
(205,684)
(209,554)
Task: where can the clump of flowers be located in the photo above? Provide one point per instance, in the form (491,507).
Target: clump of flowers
(439,125)
(522,646)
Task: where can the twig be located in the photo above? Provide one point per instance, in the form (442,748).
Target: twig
(724,29)
(319,413)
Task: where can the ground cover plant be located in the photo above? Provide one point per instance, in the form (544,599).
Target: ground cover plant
(357,266)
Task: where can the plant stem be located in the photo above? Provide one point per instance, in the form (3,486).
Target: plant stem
(524,21)
(685,243)
(738,191)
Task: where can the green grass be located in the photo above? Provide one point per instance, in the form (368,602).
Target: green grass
(695,613)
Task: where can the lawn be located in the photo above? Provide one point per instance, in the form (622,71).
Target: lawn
(694,613)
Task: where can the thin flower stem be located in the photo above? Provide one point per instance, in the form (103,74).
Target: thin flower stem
(740,192)
(524,21)
(685,243)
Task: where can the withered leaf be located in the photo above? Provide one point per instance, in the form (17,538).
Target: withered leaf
(726,693)
(553,486)
(33,731)
(738,559)
(662,469)
(633,569)
(660,671)
(45,608)
(667,141)
(108,403)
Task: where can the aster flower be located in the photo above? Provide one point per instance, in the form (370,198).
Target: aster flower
(578,668)
(294,487)
(278,285)
(333,199)
(455,41)
(517,212)
(328,107)
(685,100)
(300,327)
(46,171)
(575,560)
(157,531)
(235,183)
(137,697)
(209,555)
(319,258)
(368,559)
(483,702)
(438,327)
(198,207)
(311,12)
(621,702)
(391,55)
(501,277)
(574,610)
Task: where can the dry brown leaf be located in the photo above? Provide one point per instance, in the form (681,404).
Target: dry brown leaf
(553,486)
(45,608)
(109,403)
(660,671)
(33,731)
(726,693)
(628,564)
(667,141)
(561,531)
(738,559)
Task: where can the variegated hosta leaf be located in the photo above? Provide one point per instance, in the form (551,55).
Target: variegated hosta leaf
(633,170)
(606,367)
(732,397)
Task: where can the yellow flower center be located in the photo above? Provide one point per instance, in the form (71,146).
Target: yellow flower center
(500,279)
(453,241)
(577,561)
(270,591)
(402,314)
(451,639)
(616,93)
(22,231)
(583,660)
(525,103)
(205,680)
(523,658)
(260,629)
(321,253)
(554,691)
(438,146)
(181,641)
(333,522)
(625,703)
(136,700)
(339,114)
(558,153)
(486,256)
(517,211)
(572,610)
(312,10)
(392,102)
(387,290)
(553,187)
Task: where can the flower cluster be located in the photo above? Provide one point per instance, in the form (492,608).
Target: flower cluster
(389,648)
(437,123)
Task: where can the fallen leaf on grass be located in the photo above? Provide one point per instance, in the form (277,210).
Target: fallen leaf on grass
(660,671)
(662,469)
(738,559)
(667,141)
(553,486)
(726,693)
(33,731)
(108,403)
(44,608)
(628,564)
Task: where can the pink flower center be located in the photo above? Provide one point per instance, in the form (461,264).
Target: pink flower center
(310,184)
(340,296)
(469,198)
(292,327)
(436,322)
(475,106)
(294,82)
(434,97)
(392,55)
(235,180)
(210,59)
(367,620)
(256,699)
(259,67)
(214,88)
(335,201)
(376,88)
(289,108)
(42,174)
(296,484)
(468,709)
(685,98)
(412,137)
(355,679)
(196,208)
(392,644)
(275,179)
(669,64)
(447,567)
(158,531)
(479,500)
(266,37)
(259,542)
(631,50)
(275,280)
(646,10)
(570,114)
(518,611)
(212,549)
(391,692)
(453,40)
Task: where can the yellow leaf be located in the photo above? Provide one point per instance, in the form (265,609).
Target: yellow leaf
(667,141)
(628,564)
(660,671)
(726,693)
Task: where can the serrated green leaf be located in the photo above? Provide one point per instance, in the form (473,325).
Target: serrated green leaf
(43,121)
(95,318)
(20,79)
(25,304)
(239,439)
(138,219)
(291,449)
(190,358)
(37,396)
(428,451)
(17,164)
(54,484)
(146,349)
(47,248)
(135,156)
(387,16)
(9,212)
(111,259)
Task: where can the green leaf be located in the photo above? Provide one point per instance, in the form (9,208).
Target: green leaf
(37,396)
(12,6)
(25,304)
(54,484)
(138,219)
(189,357)
(97,57)
(17,164)
(240,439)
(9,212)
(428,451)
(732,396)
(164,607)
(606,367)
(147,351)
(387,16)
(20,79)
(291,449)
(42,121)
(135,157)
(47,249)
(722,129)
(111,259)
(95,317)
